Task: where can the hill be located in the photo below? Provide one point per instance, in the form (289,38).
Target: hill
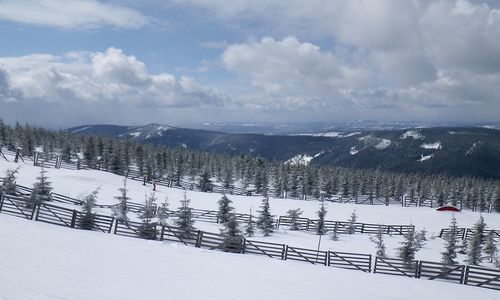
(453,151)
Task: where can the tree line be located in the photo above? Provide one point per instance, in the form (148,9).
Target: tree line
(255,174)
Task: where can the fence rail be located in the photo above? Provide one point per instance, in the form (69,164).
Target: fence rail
(438,271)
(393,266)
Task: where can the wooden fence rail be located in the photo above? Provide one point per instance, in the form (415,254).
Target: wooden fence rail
(437,271)
(393,266)
(482,277)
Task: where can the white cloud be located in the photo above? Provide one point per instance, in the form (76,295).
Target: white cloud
(97,83)
(71,14)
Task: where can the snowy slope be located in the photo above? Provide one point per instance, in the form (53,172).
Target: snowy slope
(43,261)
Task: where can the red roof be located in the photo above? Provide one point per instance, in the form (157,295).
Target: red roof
(447,208)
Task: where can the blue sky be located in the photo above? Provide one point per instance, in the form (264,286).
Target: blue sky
(65,63)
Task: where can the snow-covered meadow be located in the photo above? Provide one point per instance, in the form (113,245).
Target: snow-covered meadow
(120,264)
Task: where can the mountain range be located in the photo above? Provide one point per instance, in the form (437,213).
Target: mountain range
(458,151)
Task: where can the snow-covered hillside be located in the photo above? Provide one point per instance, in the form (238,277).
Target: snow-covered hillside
(166,261)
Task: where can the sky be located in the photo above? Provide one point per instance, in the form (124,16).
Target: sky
(132,62)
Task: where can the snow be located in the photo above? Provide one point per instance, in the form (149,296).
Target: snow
(302,159)
(80,129)
(331,134)
(108,266)
(353,151)
(135,134)
(436,145)
(474,146)
(424,158)
(43,261)
(415,134)
(383,144)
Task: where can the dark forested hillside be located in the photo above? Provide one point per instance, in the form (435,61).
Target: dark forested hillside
(453,151)
(275,177)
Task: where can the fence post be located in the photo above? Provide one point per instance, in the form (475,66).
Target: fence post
(418,268)
(116,225)
(370,264)
(328,256)
(284,253)
(1,201)
(35,210)
(278,223)
(244,246)
(199,237)
(362,227)
(162,232)
(111,225)
(73,219)
(466,274)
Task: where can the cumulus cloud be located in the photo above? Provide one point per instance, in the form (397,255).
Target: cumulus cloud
(94,83)
(74,14)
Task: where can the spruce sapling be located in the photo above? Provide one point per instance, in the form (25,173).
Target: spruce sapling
(408,247)
(474,253)
(232,235)
(185,219)
(120,209)
(9,182)
(294,215)
(88,219)
(250,228)
(450,253)
(265,220)
(320,227)
(224,209)
(378,239)
(147,229)
(351,229)
(490,247)
(163,213)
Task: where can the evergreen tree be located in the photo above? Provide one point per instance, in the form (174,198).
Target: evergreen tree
(250,228)
(120,209)
(474,255)
(265,220)
(420,238)
(9,182)
(294,215)
(162,213)
(88,219)
(490,247)
(335,233)
(41,190)
(147,229)
(408,247)
(225,209)
(185,219)
(205,184)
(462,249)
(320,227)
(450,253)
(351,228)
(233,239)
(378,239)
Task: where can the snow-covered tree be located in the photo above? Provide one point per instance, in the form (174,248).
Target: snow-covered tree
(250,227)
(490,247)
(335,233)
(162,213)
(320,227)
(205,184)
(265,220)
(450,253)
(88,219)
(225,209)
(9,182)
(232,235)
(294,215)
(120,210)
(378,239)
(41,190)
(474,250)
(185,219)
(351,228)
(420,238)
(147,229)
(408,247)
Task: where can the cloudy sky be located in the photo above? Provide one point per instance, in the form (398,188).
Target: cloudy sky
(65,63)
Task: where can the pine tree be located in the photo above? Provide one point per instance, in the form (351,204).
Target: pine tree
(147,229)
(162,214)
(265,220)
(351,229)
(420,239)
(233,239)
(450,253)
(9,182)
(250,228)
(224,209)
(120,209)
(294,215)
(408,248)
(335,233)
(185,219)
(474,256)
(378,239)
(88,219)
(41,190)
(205,184)
(490,247)
(320,227)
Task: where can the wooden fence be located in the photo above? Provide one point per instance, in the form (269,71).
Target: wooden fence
(49,213)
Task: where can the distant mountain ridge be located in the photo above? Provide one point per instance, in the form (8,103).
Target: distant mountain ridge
(454,151)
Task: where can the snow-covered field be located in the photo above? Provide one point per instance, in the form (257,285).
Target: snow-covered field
(42,261)
(129,268)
